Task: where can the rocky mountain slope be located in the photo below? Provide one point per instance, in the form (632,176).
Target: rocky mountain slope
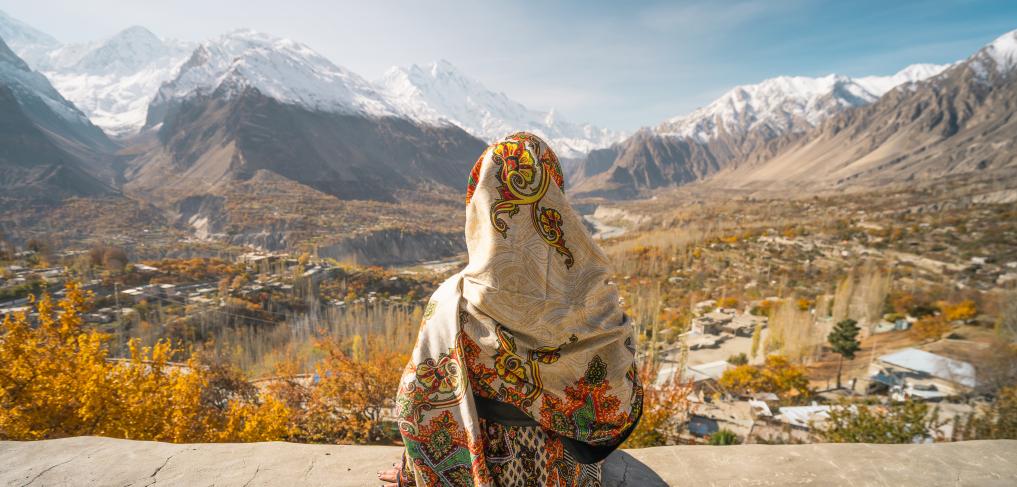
(439,92)
(960,121)
(48,149)
(744,120)
(248,102)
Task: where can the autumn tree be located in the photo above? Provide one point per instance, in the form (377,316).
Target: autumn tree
(930,327)
(961,311)
(757,334)
(777,375)
(348,402)
(59,380)
(844,341)
(665,407)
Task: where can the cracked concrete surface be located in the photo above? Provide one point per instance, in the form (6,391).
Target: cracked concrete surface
(121,463)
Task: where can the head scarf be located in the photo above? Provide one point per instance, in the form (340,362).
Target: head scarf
(532,321)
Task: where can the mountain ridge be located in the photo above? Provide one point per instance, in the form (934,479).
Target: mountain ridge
(440,92)
(48,149)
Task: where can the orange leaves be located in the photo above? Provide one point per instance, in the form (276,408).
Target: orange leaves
(931,327)
(777,375)
(355,386)
(665,407)
(964,310)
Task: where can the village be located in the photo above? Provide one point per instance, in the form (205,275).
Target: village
(757,293)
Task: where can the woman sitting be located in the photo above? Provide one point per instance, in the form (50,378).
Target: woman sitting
(523,373)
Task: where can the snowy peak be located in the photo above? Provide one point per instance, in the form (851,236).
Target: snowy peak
(24,39)
(787,104)
(127,52)
(440,93)
(880,85)
(279,68)
(999,56)
(111,80)
(30,88)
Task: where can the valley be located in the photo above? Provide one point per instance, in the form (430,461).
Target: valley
(247,210)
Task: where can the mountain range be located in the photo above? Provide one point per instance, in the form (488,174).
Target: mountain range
(114,81)
(924,122)
(191,127)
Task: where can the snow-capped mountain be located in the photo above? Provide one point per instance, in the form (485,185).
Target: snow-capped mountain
(957,122)
(999,56)
(31,87)
(439,92)
(25,40)
(48,148)
(114,80)
(281,69)
(111,80)
(787,104)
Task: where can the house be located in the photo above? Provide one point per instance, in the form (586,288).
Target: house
(710,417)
(713,322)
(911,372)
(712,370)
(744,324)
(803,417)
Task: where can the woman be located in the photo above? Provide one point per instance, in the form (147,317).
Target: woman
(523,371)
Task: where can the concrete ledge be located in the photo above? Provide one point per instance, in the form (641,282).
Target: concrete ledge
(121,463)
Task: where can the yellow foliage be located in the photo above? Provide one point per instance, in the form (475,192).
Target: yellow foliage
(777,375)
(805,304)
(353,390)
(727,302)
(57,380)
(931,327)
(964,310)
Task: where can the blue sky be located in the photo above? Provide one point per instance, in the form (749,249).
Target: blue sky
(617,64)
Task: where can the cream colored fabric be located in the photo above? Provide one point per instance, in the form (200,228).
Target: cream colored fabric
(532,321)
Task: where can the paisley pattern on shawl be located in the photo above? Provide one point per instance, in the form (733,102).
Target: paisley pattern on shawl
(532,321)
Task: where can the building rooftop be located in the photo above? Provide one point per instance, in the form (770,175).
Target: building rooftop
(932,364)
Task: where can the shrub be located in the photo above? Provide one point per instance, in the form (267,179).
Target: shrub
(723,437)
(58,380)
(738,359)
(907,422)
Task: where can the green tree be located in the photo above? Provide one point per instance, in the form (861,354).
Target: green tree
(844,341)
(905,422)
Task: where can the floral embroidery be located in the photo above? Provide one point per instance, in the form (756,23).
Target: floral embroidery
(436,384)
(523,180)
(444,453)
(471,182)
(587,412)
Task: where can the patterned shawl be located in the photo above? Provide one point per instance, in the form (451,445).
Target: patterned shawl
(532,321)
